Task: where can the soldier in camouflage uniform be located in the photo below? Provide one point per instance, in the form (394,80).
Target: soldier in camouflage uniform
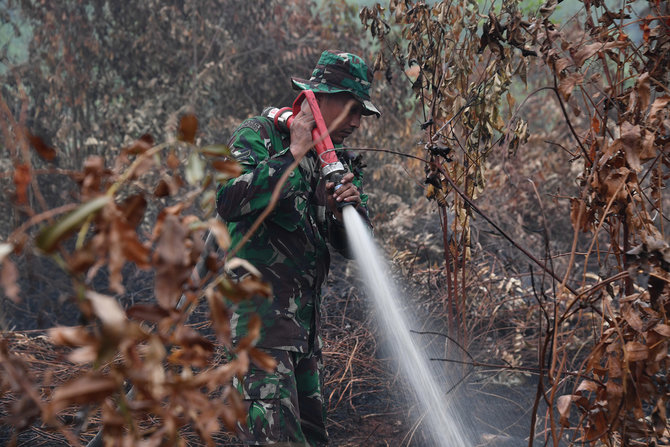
(290,250)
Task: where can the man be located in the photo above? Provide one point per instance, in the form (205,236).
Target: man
(289,248)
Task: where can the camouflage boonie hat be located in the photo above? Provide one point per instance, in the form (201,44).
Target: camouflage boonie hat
(337,72)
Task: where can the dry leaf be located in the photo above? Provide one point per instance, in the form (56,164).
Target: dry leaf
(147,312)
(636,351)
(109,311)
(579,216)
(43,150)
(636,152)
(140,146)
(262,359)
(219,315)
(568,83)
(658,105)
(643,90)
(220,231)
(662,329)
(170,259)
(84,390)
(587,385)
(632,318)
(21,182)
(587,51)
(133,209)
(563,405)
(9,276)
(71,336)
(230,168)
(188,126)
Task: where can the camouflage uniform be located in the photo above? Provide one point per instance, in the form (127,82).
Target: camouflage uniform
(290,251)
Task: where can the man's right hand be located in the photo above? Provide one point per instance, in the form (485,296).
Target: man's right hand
(301,132)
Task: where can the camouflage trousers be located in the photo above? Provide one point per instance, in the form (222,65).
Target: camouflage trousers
(285,406)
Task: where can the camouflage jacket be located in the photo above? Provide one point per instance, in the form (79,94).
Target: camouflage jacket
(289,248)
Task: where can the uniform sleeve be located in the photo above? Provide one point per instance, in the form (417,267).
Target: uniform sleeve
(250,193)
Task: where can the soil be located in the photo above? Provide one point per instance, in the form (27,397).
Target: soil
(368,403)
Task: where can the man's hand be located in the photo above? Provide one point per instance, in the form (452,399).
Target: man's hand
(347,193)
(301,132)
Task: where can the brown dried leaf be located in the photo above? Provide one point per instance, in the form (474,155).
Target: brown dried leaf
(116,258)
(631,140)
(632,318)
(135,251)
(43,150)
(140,146)
(172,161)
(613,183)
(614,368)
(561,65)
(133,209)
(568,83)
(563,405)
(9,276)
(662,329)
(84,390)
(658,105)
(245,288)
(21,182)
(219,315)
(234,413)
(262,359)
(587,51)
(230,168)
(614,390)
(648,151)
(162,189)
(188,337)
(643,91)
(71,336)
(110,313)
(171,262)
(188,126)
(147,312)
(659,417)
(636,351)
(220,231)
(83,355)
(579,216)
(253,332)
(195,355)
(587,385)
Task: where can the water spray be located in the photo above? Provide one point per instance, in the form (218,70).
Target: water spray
(444,427)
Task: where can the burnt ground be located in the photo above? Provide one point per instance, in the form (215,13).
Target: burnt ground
(366,398)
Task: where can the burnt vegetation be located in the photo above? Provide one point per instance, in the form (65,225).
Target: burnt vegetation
(517,182)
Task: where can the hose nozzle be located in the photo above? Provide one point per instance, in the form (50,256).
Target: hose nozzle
(331,167)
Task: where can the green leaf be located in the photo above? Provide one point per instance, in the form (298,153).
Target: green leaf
(216,150)
(49,237)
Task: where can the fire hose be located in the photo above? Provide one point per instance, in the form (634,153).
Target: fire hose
(331,167)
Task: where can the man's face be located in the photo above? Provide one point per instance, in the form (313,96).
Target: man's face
(342,114)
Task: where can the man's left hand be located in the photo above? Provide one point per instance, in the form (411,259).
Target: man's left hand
(347,193)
